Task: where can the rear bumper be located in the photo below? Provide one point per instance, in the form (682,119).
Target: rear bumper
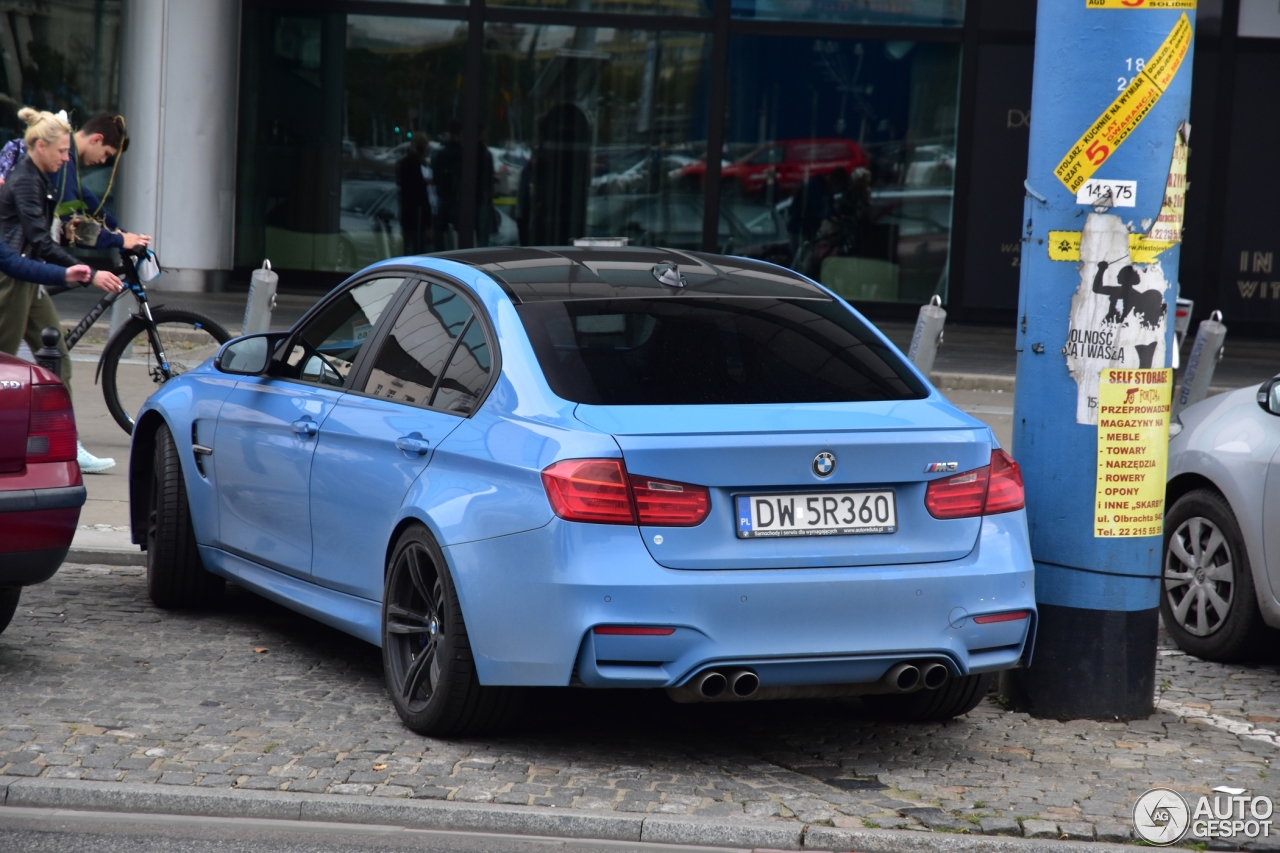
(532,600)
(38,517)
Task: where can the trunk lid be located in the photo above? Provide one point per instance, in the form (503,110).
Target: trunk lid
(15,404)
(770,449)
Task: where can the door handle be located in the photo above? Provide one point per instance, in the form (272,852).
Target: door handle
(305,427)
(413,444)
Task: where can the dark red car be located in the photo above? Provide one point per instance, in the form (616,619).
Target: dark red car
(41,490)
(793,161)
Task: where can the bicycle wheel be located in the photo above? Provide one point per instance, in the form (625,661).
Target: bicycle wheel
(130,370)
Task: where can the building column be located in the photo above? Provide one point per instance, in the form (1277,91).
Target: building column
(179,70)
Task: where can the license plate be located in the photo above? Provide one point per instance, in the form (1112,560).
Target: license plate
(815,514)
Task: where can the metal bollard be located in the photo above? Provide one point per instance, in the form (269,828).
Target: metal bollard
(928,335)
(1206,352)
(262,300)
(49,356)
(1181,325)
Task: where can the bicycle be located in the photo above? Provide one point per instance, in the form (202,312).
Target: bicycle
(174,340)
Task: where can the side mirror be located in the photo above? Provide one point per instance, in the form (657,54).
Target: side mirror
(248,356)
(1269,395)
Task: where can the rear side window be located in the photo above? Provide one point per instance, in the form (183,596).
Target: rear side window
(435,328)
(692,351)
(468,373)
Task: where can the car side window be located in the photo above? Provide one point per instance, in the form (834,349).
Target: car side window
(769,156)
(327,347)
(419,344)
(468,373)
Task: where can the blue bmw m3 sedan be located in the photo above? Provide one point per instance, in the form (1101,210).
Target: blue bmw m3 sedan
(595,467)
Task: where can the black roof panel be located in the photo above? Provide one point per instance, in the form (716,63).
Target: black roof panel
(530,274)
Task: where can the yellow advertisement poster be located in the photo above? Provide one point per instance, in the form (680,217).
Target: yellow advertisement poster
(1128,110)
(1133,451)
(1140,4)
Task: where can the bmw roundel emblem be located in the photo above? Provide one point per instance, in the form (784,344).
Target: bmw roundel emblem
(824,463)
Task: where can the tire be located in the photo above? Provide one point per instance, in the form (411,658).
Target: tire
(176,578)
(426,654)
(958,696)
(188,339)
(1207,600)
(8,605)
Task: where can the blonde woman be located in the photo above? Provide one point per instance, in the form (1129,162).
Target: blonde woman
(26,220)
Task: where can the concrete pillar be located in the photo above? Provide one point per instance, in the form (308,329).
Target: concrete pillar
(179,73)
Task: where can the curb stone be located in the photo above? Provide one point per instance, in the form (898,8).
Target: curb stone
(905,841)
(141,798)
(674,830)
(972,381)
(104,557)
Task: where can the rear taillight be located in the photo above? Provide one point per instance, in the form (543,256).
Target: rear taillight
(601,491)
(662,503)
(51,435)
(988,490)
(590,490)
(1005,493)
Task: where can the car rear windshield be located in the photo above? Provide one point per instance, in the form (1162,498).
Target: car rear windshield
(700,351)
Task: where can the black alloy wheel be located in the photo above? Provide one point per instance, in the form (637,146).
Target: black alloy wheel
(1208,603)
(426,653)
(176,576)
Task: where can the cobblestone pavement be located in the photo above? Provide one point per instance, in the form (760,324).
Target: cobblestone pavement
(97,684)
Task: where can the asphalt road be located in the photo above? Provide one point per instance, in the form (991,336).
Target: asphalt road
(25,830)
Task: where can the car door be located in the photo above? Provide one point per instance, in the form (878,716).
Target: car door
(432,367)
(267,428)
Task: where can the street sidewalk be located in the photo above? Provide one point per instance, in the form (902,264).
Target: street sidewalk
(974,368)
(248,709)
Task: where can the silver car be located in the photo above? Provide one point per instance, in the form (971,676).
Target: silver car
(1221,587)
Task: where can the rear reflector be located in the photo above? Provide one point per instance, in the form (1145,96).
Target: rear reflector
(988,490)
(634,630)
(1011,616)
(51,436)
(601,491)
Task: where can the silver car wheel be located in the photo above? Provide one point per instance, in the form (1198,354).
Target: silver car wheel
(1199,579)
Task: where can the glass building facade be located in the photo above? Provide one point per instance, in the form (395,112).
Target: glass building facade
(369,130)
(60,55)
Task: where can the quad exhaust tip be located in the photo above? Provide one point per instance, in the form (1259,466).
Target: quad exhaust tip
(903,677)
(906,677)
(744,683)
(720,685)
(710,684)
(934,675)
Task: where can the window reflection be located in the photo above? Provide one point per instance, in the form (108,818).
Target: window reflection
(341,118)
(849,147)
(592,127)
(938,13)
(419,344)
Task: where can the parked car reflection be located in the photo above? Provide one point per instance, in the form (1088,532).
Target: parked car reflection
(789,163)
(750,229)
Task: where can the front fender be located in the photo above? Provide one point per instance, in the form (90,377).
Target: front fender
(193,399)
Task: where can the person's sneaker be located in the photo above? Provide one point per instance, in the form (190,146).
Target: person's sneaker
(90,464)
